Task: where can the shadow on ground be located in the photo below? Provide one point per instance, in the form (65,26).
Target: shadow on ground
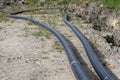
(101,58)
(89,72)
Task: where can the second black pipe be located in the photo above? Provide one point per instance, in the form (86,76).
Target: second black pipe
(102,73)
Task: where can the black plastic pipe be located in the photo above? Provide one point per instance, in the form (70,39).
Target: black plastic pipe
(75,65)
(102,73)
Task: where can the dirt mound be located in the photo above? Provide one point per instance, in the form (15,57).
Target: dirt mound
(101,18)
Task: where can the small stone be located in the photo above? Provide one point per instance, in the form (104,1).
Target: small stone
(8,60)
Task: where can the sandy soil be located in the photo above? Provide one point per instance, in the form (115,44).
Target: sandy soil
(30,58)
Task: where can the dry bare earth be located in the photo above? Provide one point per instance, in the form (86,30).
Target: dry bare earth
(26,55)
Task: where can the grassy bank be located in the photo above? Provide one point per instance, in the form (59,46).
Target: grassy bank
(106,3)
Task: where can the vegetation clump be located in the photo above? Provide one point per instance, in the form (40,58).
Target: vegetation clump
(112,3)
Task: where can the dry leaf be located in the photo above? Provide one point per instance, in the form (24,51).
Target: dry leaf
(109,65)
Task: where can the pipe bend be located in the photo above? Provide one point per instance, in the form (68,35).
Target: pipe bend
(75,65)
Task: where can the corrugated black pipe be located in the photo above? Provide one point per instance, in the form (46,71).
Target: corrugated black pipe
(102,73)
(76,67)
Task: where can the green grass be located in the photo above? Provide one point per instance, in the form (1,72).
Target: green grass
(107,3)
(39,12)
(45,57)
(30,23)
(32,2)
(42,32)
(112,3)
(58,46)
(1,28)
(3,17)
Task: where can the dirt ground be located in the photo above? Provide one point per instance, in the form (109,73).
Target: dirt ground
(26,55)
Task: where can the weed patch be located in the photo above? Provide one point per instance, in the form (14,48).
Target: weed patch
(58,46)
(3,17)
(42,32)
(112,3)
